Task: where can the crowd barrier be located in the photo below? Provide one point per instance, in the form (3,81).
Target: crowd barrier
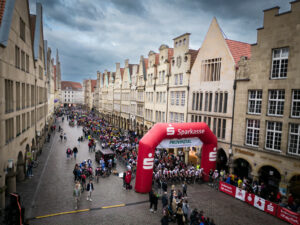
(260,203)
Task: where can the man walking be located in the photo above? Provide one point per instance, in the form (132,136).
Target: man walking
(90,189)
(77,194)
(75,151)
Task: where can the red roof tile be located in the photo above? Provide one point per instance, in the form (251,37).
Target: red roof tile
(2,7)
(156,58)
(93,84)
(70,84)
(194,54)
(146,64)
(238,49)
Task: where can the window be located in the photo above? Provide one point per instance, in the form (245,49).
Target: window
(172,98)
(28,120)
(193,102)
(184,41)
(273,136)
(171,117)
(163,76)
(177,97)
(182,98)
(206,102)
(294,139)
(210,102)
(200,104)
(219,128)
(18,94)
(211,69)
(296,104)
(40,72)
(279,63)
(27,95)
(276,103)
(181,78)
(18,125)
(176,118)
(225,102)
(32,95)
(224,129)
(216,102)
(209,121)
(23,122)
(9,130)
(221,102)
(17,57)
(181,117)
(176,79)
(215,125)
(157,96)
(9,102)
(22,29)
(23,96)
(27,63)
(23,60)
(192,118)
(252,132)
(254,101)
(197,101)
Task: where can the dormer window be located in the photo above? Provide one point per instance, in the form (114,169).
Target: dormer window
(180,43)
(184,40)
(176,43)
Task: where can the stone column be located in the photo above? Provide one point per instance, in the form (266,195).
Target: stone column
(175,151)
(20,172)
(11,183)
(186,156)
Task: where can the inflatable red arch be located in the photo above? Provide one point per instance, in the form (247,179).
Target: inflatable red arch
(181,131)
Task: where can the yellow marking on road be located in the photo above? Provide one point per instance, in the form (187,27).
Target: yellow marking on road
(63,213)
(113,206)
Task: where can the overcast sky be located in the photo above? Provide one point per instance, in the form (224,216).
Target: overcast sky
(92,35)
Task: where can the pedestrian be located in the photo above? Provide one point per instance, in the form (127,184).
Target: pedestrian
(184,189)
(29,169)
(68,152)
(180,217)
(128,179)
(164,186)
(75,151)
(77,194)
(90,189)
(165,219)
(185,209)
(153,201)
(124,183)
(164,199)
(61,137)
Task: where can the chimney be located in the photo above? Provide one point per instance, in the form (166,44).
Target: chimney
(126,63)
(117,66)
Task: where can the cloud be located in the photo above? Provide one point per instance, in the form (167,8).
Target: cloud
(94,35)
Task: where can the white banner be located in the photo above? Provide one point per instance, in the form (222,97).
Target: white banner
(180,143)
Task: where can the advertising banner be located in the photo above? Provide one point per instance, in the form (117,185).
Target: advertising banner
(227,188)
(180,143)
(271,208)
(289,216)
(240,194)
(250,198)
(259,203)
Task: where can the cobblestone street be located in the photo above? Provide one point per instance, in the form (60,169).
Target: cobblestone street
(50,192)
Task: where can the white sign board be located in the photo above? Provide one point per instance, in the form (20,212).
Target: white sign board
(180,143)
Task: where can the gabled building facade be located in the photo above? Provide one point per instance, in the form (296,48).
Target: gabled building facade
(266,131)
(117,95)
(23,105)
(211,86)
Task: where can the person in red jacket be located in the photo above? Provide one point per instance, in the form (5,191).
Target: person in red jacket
(128,179)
